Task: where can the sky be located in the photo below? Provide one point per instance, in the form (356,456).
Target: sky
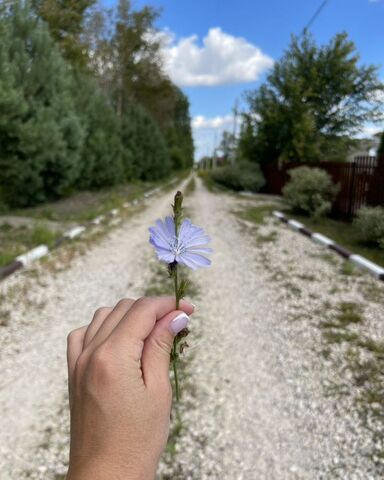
(215,50)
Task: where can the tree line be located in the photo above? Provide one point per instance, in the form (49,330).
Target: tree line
(310,107)
(84,100)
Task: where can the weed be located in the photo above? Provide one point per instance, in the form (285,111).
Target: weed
(348,268)
(269,237)
(257,214)
(190,188)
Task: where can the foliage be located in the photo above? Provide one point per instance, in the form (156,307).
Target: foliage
(179,133)
(246,147)
(65,20)
(145,152)
(240,176)
(40,132)
(313,100)
(227,146)
(369,224)
(102,150)
(380,152)
(84,101)
(310,190)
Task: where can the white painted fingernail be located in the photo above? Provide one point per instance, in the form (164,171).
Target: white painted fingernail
(179,323)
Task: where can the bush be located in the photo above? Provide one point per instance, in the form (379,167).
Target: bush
(241,176)
(369,224)
(310,190)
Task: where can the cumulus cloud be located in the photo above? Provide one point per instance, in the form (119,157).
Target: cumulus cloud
(207,132)
(200,121)
(221,59)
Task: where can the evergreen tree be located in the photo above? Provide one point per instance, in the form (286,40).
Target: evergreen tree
(179,134)
(146,155)
(41,137)
(101,157)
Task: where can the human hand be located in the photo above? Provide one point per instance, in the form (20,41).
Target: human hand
(119,389)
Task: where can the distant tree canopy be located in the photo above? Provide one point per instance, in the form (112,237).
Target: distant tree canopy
(381,147)
(314,99)
(82,107)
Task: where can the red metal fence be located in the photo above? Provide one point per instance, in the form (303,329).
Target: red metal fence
(361,182)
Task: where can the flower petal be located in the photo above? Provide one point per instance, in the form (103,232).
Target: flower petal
(193,260)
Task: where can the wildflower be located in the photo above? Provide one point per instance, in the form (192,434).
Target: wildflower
(178,241)
(188,247)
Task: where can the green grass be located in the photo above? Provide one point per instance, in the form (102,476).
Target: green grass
(190,188)
(84,206)
(17,240)
(258,213)
(344,234)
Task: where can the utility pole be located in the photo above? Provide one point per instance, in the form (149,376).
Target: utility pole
(235,115)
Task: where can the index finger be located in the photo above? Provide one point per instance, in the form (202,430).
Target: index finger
(138,322)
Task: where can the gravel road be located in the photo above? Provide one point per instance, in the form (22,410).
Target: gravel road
(258,407)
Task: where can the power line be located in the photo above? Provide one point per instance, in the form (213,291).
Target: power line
(314,16)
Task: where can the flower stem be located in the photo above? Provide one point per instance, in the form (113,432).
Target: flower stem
(177,215)
(175,341)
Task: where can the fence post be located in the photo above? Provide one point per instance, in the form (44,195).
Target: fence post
(352,190)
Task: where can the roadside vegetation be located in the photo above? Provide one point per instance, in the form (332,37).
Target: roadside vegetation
(85,102)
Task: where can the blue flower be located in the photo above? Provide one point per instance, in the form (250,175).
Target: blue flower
(188,247)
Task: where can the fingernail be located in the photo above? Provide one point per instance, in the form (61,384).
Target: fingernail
(194,306)
(179,323)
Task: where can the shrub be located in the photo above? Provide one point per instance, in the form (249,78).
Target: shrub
(310,190)
(369,224)
(241,176)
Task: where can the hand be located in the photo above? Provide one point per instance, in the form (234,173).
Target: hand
(119,389)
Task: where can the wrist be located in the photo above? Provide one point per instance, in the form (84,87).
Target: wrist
(108,471)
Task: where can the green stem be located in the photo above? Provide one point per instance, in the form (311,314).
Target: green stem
(175,341)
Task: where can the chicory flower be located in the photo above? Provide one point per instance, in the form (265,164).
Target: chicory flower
(179,241)
(188,247)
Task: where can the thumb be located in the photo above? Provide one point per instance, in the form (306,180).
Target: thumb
(158,346)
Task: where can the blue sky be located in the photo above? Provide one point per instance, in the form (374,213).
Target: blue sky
(217,49)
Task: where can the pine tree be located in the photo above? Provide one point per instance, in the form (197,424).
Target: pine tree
(146,155)
(41,140)
(101,156)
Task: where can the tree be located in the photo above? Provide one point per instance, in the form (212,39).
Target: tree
(101,155)
(228,146)
(146,155)
(313,99)
(380,151)
(40,133)
(179,133)
(66,21)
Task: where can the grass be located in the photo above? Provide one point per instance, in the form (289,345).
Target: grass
(80,207)
(190,188)
(257,214)
(360,364)
(16,240)
(348,268)
(84,206)
(344,234)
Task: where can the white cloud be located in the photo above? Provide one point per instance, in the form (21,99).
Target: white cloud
(200,121)
(207,132)
(369,131)
(221,59)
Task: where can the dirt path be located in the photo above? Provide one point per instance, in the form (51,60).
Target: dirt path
(258,407)
(32,358)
